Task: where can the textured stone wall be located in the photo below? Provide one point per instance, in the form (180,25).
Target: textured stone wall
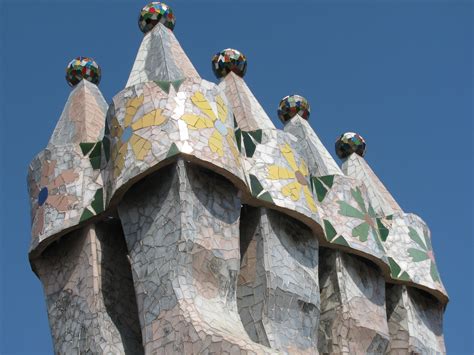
(182,230)
(415,321)
(89,293)
(278,291)
(353,316)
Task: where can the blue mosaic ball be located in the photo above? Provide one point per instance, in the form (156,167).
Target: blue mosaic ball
(229,60)
(349,143)
(293,105)
(154,13)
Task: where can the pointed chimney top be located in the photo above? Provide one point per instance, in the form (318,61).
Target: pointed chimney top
(349,143)
(154,13)
(83,116)
(161,59)
(293,105)
(82,68)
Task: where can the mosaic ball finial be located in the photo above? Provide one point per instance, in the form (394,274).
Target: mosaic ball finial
(82,68)
(229,60)
(153,13)
(293,105)
(349,143)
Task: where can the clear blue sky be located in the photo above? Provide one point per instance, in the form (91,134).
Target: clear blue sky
(398,72)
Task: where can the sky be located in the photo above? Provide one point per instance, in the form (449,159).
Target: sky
(400,73)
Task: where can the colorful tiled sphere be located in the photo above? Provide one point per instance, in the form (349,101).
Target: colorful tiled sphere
(82,68)
(349,143)
(229,60)
(153,13)
(293,105)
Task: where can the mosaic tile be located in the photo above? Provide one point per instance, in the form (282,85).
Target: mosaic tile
(229,60)
(187,223)
(82,68)
(154,13)
(293,105)
(349,143)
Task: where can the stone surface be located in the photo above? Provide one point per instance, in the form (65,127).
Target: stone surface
(319,160)
(278,291)
(183,238)
(160,58)
(353,316)
(248,112)
(415,321)
(382,201)
(65,179)
(89,293)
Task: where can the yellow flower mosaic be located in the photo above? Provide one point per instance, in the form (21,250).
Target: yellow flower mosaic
(126,134)
(217,123)
(300,175)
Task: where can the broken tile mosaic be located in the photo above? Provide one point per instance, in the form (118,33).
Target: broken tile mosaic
(154,13)
(293,105)
(179,220)
(349,143)
(82,68)
(229,60)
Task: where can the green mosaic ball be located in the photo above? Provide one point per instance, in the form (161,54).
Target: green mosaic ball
(349,143)
(82,68)
(154,13)
(229,60)
(293,105)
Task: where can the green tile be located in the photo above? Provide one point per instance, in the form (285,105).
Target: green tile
(341,241)
(255,185)
(86,215)
(238,139)
(98,202)
(164,85)
(321,191)
(361,232)
(347,210)
(266,197)
(357,194)
(96,152)
(327,180)
(257,135)
(413,234)
(434,272)
(383,231)
(417,255)
(249,144)
(86,147)
(330,231)
(404,276)
(172,151)
(95,162)
(177,83)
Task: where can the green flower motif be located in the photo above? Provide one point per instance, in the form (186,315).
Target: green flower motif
(321,185)
(426,252)
(371,224)
(247,140)
(396,271)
